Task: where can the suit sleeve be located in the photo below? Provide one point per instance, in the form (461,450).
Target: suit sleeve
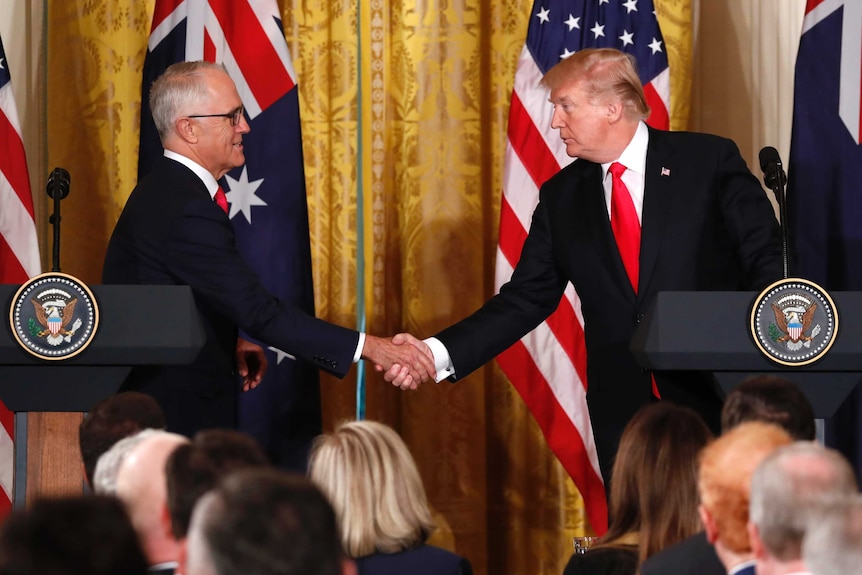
(202,252)
(531,295)
(750,220)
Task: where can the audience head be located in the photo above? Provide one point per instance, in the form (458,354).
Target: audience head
(89,535)
(194,468)
(769,399)
(726,467)
(112,419)
(789,489)
(654,486)
(833,543)
(368,474)
(108,465)
(265,522)
(142,487)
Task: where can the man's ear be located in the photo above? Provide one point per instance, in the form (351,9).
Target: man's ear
(186,130)
(615,110)
(756,542)
(165,521)
(709,524)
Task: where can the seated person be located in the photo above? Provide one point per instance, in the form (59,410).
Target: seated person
(367,472)
(653,495)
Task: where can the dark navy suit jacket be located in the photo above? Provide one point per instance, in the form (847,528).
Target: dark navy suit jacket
(692,556)
(172,233)
(422,560)
(706,225)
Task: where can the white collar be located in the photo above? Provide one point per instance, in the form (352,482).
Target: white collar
(201,172)
(634,156)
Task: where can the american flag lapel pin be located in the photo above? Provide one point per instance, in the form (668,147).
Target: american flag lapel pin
(665,171)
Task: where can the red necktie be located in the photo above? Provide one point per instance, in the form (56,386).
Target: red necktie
(627,231)
(625,224)
(221,199)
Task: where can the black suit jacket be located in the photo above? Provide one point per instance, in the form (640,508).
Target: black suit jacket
(170,233)
(706,225)
(692,556)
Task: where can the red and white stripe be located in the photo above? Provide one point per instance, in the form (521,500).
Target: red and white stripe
(19,252)
(548,366)
(243,35)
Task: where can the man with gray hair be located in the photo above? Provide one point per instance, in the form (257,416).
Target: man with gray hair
(266,522)
(108,464)
(833,544)
(175,230)
(142,487)
(788,491)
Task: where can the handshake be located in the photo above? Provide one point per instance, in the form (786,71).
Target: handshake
(406,361)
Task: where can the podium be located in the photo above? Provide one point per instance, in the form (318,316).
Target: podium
(139,325)
(709,331)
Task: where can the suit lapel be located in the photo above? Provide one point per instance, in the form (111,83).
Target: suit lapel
(659,188)
(598,224)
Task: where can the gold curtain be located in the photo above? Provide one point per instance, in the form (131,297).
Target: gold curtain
(406,103)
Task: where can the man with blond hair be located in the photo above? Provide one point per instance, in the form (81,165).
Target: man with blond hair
(640,211)
(724,482)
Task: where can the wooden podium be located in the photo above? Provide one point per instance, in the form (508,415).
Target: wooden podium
(709,331)
(139,325)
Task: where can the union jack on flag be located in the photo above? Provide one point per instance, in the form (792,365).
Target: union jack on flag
(548,366)
(268,206)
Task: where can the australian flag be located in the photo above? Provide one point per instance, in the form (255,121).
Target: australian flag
(825,174)
(267,198)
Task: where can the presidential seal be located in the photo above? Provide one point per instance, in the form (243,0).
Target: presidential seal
(54,316)
(794,322)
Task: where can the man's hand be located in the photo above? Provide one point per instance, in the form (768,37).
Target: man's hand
(250,362)
(410,365)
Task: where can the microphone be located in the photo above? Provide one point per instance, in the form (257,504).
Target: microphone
(58,184)
(773,172)
(775,179)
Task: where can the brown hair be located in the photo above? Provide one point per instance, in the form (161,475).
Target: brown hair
(654,485)
(604,73)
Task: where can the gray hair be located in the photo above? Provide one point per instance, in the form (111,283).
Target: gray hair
(179,87)
(108,466)
(790,488)
(833,544)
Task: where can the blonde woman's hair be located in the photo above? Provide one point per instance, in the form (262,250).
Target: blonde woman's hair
(369,476)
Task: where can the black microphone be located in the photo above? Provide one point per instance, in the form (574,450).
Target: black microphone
(58,184)
(773,172)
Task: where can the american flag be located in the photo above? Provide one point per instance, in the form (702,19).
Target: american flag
(548,366)
(824,194)
(267,199)
(19,248)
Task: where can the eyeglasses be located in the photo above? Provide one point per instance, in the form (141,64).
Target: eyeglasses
(234,116)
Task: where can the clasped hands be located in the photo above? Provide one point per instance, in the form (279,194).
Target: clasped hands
(406,361)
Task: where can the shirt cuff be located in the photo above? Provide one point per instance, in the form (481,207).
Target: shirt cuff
(358,353)
(442,361)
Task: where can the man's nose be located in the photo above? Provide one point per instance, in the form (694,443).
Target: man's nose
(243,127)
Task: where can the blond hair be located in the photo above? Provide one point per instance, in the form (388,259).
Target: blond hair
(726,467)
(369,476)
(604,73)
